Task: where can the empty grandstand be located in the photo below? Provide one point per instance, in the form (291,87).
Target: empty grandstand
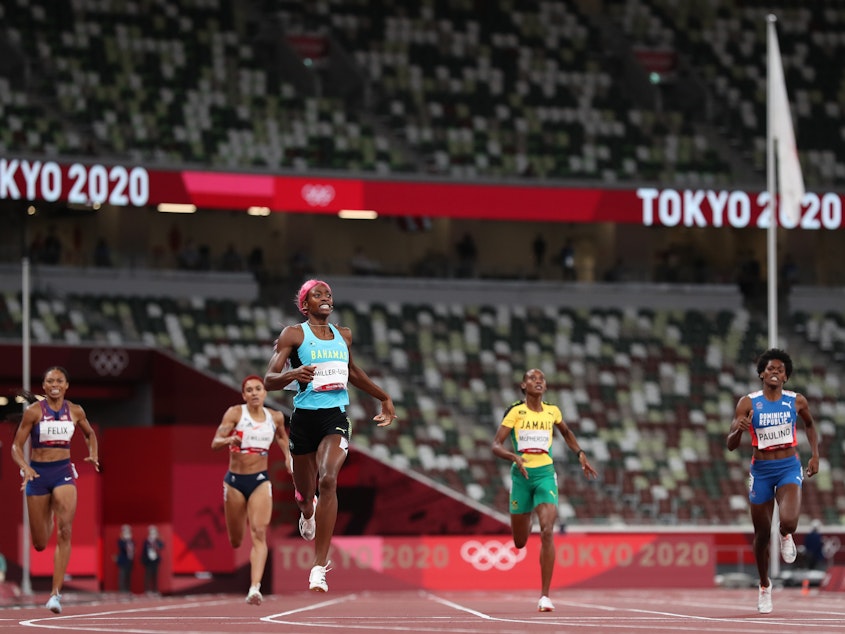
(646,343)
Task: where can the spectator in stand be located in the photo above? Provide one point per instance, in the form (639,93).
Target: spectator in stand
(362,264)
(231,260)
(51,253)
(125,558)
(616,273)
(750,282)
(151,558)
(539,249)
(255,263)
(36,248)
(204,260)
(102,254)
(433,263)
(814,547)
(769,415)
(189,256)
(566,260)
(300,266)
(467,255)
(788,275)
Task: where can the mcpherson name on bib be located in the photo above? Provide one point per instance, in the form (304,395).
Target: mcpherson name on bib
(533,440)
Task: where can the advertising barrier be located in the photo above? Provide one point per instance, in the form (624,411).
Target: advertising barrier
(480,562)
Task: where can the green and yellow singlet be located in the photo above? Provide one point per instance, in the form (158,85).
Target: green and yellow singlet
(532,432)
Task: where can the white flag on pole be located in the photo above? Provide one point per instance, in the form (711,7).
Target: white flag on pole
(782,137)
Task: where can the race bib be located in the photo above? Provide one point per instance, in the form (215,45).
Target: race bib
(55,432)
(330,376)
(533,440)
(256,439)
(774,435)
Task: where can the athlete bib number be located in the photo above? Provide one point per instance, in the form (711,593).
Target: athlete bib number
(774,435)
(533,441)
(330,376)
(55,432)
(256,441)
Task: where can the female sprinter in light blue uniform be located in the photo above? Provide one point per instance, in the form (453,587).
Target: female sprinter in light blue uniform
(50,478)
(249,430)
(316,356)
(769,415)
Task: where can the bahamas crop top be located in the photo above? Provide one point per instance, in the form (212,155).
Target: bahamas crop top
(330,357)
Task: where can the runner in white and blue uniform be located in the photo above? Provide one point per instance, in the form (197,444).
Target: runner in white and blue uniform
(249,430)
(315,356)
(770,415)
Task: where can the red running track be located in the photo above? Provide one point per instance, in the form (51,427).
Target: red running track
(616,611)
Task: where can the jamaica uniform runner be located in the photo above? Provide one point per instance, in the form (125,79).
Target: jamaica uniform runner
(531,434)
(530,425)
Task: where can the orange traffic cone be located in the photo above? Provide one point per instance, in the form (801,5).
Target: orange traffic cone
(805,587)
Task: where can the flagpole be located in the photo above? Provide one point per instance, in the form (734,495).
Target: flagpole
(771,250)
(26,352)
(771,233)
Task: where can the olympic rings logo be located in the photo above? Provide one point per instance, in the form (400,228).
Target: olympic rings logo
(108,361)
(318,195)
(830,546)
(491,554)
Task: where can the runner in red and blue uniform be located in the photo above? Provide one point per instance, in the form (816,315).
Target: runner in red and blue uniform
(49,478)
(769,415)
